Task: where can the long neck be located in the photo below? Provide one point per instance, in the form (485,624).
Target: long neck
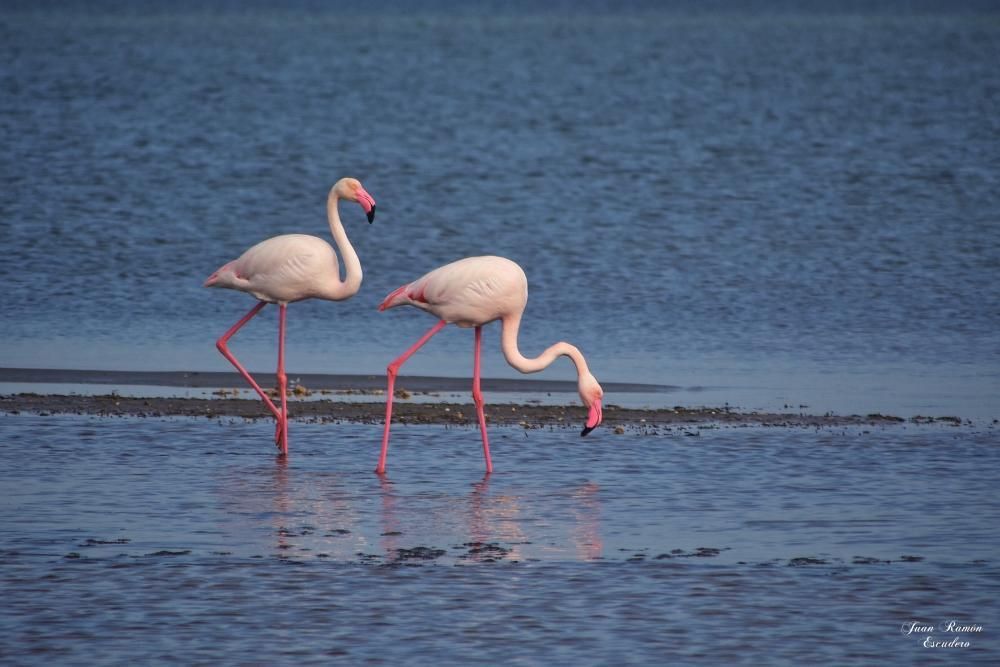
(352,265)
(508,342)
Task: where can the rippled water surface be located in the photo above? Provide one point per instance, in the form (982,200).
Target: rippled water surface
(770,206)
(801,200)
(185,540)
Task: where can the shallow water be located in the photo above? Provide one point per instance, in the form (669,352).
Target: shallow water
(799,203)
(185,539)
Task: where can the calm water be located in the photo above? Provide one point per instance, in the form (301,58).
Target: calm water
(802,204)
(184,540)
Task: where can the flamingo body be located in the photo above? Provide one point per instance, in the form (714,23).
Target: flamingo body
(283,269)
(469,293)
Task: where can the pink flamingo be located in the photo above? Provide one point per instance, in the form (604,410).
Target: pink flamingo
(470,293)
(288,268)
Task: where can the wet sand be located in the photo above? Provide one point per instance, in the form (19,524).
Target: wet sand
(314,381)
(528,416)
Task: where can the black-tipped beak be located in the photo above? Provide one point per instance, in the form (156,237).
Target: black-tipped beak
(594,418)
(371,215)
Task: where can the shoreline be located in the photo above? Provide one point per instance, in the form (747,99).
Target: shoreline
(616,418)
(313,381)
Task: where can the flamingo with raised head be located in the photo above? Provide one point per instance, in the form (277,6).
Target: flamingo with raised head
(470,293)
(288,268)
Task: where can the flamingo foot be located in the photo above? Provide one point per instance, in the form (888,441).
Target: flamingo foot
(281,432)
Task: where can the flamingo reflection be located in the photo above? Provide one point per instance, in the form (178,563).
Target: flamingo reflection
(292,513)
(493,526)
(586,531)
(390,521)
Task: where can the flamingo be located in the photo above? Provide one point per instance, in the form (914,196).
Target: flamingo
(288,268)
(470,293)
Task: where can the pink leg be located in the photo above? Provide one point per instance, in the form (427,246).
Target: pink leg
(221,345)
(281,435)
(477,397)
(391,372)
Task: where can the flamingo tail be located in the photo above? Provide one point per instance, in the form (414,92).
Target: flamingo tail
(395,298)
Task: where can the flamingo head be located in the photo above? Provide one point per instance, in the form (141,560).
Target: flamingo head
(352,190)
(591,394)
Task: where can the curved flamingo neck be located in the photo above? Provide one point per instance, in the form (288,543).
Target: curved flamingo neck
(352,265)
(508,343)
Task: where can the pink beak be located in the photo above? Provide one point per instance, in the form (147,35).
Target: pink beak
(594,418)
(367,203)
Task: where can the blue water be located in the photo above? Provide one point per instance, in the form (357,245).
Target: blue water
(184,540)
(765,204)
(795,202)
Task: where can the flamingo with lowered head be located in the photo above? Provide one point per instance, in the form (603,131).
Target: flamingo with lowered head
(288,268)
(470,293)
